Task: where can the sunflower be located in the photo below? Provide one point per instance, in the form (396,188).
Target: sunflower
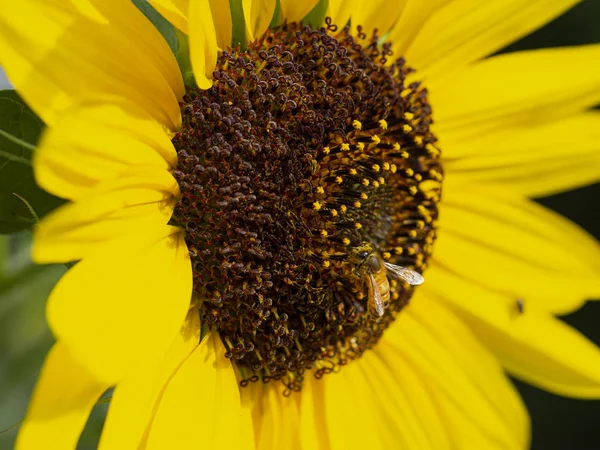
(239,239)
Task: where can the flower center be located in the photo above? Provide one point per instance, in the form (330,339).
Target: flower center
(305,168)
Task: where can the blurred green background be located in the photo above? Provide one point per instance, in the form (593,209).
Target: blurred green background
(558,423)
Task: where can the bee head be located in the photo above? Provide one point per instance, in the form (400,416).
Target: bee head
(360,254)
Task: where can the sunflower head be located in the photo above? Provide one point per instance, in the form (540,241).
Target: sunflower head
(309,146)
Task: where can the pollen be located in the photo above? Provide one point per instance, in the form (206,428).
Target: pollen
(286,168)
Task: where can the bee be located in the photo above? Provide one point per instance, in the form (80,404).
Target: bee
(374,272)
(520,306)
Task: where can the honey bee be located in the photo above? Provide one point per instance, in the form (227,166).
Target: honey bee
(374,272)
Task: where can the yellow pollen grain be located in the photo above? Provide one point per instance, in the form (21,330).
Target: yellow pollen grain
(404,155)
(326,150)
(364,196)
(398,250)
(376,167)
(386,255)
(320,190)
(385,166)
(375,184)
(412,234)
(339,179)
(395,296)
(381,180)
(343,208)
(333,212)
(418,140)
(326,264)
(346,241)
(383,124)
(358,225)
(345,147)
(353,172)
(409,172)
(396,146)
(360,146)
(393,168)
(411,250)
(365,182)
(406,128)
(357,204)
(317,206)
(324,233)
(357,125)
(418,177)
(376,139)
(409,116)
(413,190)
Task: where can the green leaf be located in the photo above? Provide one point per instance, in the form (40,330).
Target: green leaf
(239,25)
(160,23)
(316,17)
(20,130)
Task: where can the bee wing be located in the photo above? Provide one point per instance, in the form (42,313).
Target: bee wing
(404,274)
(375,299)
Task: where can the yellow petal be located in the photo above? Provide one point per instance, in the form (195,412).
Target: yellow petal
(508,244)
(134,399)
(276,419)
(537,161)
(377,14)
(464,31)
(477,402)
(124,206)
(403,409)
(97,142)
(62,400)
(414,15)
(258,15)
(349,410)
(341,10)
(125,303)
(175,11)
(533,345)
(549,84)
(221,13)
(294,11)
(178,11)
(51,54)
(203,42)
(200,407)
(313,428)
